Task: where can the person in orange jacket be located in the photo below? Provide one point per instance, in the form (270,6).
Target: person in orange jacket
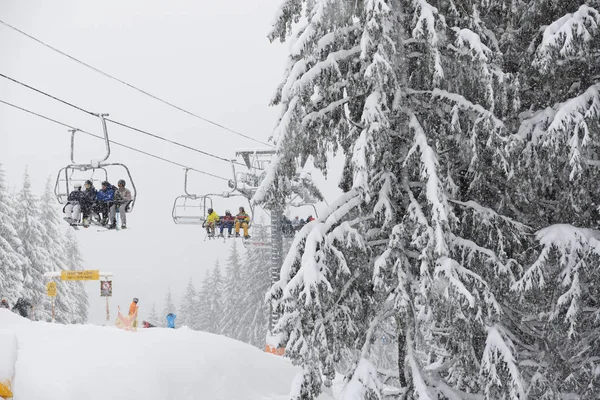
(242,219)
(133,308)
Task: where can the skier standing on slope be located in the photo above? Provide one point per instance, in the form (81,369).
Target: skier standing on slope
(4,303)
(171,320)
(133,308)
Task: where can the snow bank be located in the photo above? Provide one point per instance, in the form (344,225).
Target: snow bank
(8,359)
(92,362)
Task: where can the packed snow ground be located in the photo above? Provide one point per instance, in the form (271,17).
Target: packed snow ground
(93,362)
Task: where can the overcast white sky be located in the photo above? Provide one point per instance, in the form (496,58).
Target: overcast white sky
(210,57)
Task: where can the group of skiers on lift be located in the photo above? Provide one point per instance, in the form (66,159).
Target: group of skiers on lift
(103,203)
(213,220)
(290,227)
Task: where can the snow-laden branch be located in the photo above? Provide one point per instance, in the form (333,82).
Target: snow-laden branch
(425,18)
(467,39)
(572,247)
(567,240)
(307,35)
(567,34)
(434,188)
(500,350)
(489,214)
(456,274)
(463,104)
(565,123)
(330,62)
(315,115)
(332,216)
(364,383)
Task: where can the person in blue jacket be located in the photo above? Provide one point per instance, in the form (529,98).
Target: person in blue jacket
(171,320)
(105,199)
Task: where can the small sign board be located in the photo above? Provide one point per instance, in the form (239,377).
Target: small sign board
(51,289)
(105,288)
(87,275)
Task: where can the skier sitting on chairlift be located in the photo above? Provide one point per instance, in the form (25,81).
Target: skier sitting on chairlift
(104,197)
(211,221)
(88,201)
(242,219)
(73,207)
(286,227)
(122,199)
(227,222)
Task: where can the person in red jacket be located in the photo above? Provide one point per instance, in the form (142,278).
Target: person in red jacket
(227,222)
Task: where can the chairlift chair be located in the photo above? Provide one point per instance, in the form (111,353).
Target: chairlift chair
(75,173)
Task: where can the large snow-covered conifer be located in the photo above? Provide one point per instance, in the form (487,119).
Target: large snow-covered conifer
(232,295)
(12,261)
(421,240)
(189,309)
(32,234)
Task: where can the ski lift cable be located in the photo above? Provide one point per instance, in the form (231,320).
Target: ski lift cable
(113,142)
(133,87)
(117,122)
(171,141)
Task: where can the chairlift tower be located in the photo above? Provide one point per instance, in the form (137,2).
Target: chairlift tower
(247,183)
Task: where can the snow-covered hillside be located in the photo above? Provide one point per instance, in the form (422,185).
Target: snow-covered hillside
(91,362)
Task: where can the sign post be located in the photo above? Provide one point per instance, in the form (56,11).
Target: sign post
(51,290)
(106,291)
(85,275)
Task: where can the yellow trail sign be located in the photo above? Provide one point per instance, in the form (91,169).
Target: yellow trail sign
(51,288)
(87,275)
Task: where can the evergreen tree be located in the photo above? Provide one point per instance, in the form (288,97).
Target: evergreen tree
(12,261)
(204,305)
(256,278)
(32,234)
(168,308)
(189,310)
(232,295)
(556,149)
(418,241)
(215,298)
(153,317)
(54,243)
(80,296)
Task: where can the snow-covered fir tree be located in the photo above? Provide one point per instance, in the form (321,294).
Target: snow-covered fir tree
(66,303)
(153,316)
(204,304)
(168,309)
(12,261)
(211,301)
(32,233)
(256,278)
(233,287)
(74,262)
(189,309)
(556,148)
(423,239)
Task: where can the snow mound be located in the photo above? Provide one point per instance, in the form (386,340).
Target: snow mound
(93,362)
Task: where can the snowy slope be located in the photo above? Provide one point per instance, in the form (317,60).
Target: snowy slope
(93,362)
